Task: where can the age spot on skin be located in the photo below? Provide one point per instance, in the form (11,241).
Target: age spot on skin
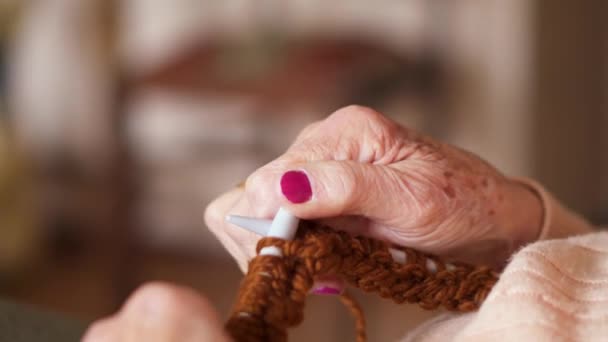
(491,212)
(448,174)
(469,183)
(449,191)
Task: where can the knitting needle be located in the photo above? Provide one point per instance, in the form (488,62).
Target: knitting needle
(258,226)
(262,227)
(284,226)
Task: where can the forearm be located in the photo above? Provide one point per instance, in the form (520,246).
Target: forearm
(557,220)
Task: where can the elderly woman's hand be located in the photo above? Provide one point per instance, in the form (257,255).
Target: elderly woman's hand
(382,180)
(160,312)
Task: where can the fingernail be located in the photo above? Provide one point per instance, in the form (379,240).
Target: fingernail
(326,291)
(296,187)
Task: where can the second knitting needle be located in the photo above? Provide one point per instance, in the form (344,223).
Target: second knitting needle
(284,226)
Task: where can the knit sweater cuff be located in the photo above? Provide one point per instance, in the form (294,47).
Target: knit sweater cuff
(558,221)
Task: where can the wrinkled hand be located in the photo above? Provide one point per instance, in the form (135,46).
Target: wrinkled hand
(160,312)
(389,182)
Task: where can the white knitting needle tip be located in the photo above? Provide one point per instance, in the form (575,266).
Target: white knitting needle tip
(254,225)
(398,255)
(284,226)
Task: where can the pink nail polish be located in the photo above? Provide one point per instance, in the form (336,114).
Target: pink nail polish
(296,186)
(326,290)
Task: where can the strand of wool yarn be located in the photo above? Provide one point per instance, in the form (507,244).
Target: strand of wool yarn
(272,295)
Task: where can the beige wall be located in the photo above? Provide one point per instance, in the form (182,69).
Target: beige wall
(570,112)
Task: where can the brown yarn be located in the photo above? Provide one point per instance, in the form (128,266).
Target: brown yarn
(355,309)
(272,295)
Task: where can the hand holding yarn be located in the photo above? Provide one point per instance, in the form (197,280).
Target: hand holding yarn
(360,172)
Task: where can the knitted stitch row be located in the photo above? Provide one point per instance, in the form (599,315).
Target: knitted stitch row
(273,293)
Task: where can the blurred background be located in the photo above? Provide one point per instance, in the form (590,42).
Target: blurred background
(120,120)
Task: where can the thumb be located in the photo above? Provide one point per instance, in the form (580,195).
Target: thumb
(324,189)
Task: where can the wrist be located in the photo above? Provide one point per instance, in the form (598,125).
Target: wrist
(524,213)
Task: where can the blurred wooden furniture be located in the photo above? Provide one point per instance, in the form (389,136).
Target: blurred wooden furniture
(519,83)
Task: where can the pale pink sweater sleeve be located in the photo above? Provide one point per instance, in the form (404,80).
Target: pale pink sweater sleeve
(553,290)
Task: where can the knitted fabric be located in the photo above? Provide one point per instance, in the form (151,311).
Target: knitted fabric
(273,293)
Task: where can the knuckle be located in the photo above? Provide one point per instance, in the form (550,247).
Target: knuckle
(216,211)
(375,136)
(358,113)
(213,217)
(238,242)
(368,121)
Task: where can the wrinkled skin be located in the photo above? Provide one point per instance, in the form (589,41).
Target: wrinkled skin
(391,183)
(381,180)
